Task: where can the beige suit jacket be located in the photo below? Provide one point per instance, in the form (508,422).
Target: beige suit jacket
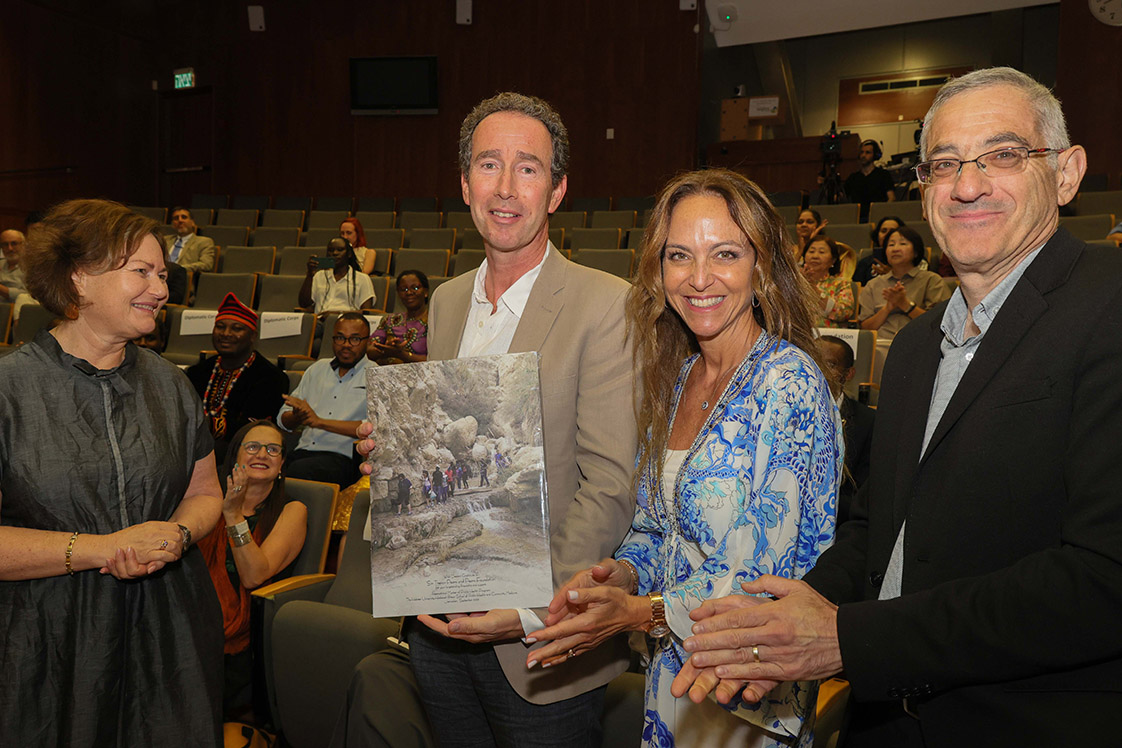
(575,319)
(197,254)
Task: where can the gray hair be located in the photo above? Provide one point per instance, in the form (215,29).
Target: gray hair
(1049,116)
(530,106)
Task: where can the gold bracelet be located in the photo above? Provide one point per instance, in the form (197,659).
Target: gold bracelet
(70,553)
(633,573)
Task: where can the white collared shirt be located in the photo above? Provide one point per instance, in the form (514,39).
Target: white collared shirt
(489,333)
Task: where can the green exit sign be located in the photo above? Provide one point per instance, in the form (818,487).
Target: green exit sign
(184,78)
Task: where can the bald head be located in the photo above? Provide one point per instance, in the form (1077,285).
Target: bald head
(11,244)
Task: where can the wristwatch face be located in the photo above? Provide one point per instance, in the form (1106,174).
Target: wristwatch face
(658,627)
(658,630)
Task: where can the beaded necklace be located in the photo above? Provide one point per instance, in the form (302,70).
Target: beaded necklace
(218,389)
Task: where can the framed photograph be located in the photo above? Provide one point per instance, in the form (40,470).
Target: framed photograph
(459,520)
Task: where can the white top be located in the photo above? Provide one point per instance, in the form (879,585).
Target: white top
(346,295)
(671,464)
(489,333)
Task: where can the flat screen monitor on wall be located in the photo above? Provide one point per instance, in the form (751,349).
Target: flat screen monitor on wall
(393,85)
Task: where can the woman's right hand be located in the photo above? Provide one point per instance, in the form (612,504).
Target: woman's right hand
(608,572)
(235,492)
(139,550)
(313,263)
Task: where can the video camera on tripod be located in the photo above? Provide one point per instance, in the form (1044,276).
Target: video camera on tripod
(831,192)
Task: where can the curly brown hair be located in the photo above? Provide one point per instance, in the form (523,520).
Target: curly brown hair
(91,236)
(786,309)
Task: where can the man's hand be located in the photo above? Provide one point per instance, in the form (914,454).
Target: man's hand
(795,636)
(478,628)
(302,413)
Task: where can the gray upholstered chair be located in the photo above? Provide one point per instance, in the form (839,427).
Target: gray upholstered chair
(317,628)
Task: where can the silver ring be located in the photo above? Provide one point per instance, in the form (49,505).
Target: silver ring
(756,652)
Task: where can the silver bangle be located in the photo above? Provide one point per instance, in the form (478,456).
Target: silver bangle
(240,539)
(241,528)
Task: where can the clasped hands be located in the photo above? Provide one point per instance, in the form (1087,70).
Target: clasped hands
(897,296)
(143,549)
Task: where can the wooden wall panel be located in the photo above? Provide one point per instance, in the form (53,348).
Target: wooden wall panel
(1088,81)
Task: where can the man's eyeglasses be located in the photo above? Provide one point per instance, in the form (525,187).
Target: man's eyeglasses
(999,163)
(252,448)
(352,339)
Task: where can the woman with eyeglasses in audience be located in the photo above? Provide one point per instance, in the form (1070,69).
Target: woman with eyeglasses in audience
(821,265)
(341,288)
(261,535)
(110,627)
(403,337)
(351,230)
(740,455)
(890,301)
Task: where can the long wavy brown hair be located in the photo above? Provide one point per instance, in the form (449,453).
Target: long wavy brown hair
(787,302)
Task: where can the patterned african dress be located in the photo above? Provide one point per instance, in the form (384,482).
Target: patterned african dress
(756,493)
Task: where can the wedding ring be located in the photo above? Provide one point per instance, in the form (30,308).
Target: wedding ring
(756,652)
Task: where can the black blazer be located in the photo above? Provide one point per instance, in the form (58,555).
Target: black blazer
(857,420)
(1009,631)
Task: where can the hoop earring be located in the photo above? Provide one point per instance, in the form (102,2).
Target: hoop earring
(755,301)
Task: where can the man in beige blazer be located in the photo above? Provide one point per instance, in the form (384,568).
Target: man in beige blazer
(195,252)
(527,296)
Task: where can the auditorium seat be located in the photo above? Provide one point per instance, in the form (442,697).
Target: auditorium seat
(259,203)
(458,221)
(789,213)
(454,204)
(1093,203)
(293,203)
(466,260)
(1088,227)
(211,288)
(383,259)
(844,213)
(376,219)
(414,219)
(159,215)
(567,219)
(183,348)
(327,219)
(227,236)
(431,262)
(236,217)
(416,204)
(272,236)
(297,346)
(294,260)
(385,204)
(577,239)
(613,219)
(432,239)
(385,291)
(279,293)
(637,204)
(288,219)
(635,238)
(33,317)
(590,204)
(248,260)
(909,211)
(617,262)
(319,238)
(856,235)
(469,239)
(392,238)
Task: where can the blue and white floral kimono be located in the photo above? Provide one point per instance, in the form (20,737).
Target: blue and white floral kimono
(756,494)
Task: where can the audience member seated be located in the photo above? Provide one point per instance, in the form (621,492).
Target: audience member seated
(870,183)
(185,247)
(330,403)
(403,338)
(11,275)
(821,265)
(857,421)
(261,535)
(711,446)
(874,264)
(351,230)
(153,341)
(808,225)
(238,385)
(891,301)
(339,287)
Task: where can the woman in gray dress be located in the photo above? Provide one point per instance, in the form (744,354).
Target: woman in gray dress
(111,634)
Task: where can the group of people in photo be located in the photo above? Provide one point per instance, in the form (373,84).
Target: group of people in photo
(720,511)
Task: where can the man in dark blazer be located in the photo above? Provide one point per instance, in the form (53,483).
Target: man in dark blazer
(975,596)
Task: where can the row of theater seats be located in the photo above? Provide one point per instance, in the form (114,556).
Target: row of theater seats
(449,203)
(330,219)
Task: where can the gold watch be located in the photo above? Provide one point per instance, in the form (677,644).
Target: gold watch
(657,627)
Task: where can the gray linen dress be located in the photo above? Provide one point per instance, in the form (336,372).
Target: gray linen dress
(87,660)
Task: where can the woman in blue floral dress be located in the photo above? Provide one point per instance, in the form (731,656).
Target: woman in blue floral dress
(739,463)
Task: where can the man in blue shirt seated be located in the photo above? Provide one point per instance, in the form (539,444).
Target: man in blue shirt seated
(330,403)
